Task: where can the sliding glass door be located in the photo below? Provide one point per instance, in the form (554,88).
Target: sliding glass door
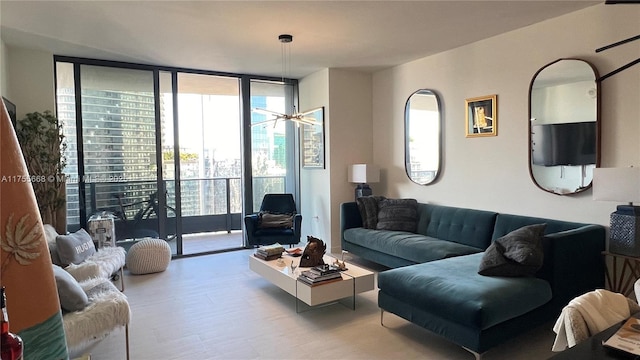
(209,159)
(118,148)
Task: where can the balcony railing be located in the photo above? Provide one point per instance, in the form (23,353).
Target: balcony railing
(207,204)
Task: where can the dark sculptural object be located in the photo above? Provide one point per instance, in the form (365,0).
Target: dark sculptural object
(313,252)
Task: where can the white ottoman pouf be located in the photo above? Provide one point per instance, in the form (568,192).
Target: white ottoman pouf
(148,256)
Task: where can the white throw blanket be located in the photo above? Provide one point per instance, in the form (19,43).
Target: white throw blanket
(599,310)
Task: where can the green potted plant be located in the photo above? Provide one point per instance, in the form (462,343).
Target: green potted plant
(41,138)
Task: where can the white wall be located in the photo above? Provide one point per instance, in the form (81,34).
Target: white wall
(346,96)
(314,183)
(3,70)
(30,80)
(350,97)
(492,172)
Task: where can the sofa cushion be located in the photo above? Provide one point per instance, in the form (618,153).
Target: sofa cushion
(71,295)
(75,248)
(452,289)
(465,226)
(413,247)
(368,207)
(519,253)
(398,215)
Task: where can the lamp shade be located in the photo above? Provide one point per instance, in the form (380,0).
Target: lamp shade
(363,173)
(617,184)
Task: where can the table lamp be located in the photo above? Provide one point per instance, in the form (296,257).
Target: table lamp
(622,185)
(362,174)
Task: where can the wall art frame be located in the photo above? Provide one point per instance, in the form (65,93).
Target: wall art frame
(312,140)
(481,116)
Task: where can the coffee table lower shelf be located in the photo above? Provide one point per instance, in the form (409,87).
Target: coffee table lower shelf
(355,280)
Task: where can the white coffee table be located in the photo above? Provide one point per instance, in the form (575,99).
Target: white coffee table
(355,280)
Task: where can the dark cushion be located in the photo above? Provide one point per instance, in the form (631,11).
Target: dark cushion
(398,215)
(519,253)
(453,290)
(71,295)
(368,206)
(75,248)
(267,219)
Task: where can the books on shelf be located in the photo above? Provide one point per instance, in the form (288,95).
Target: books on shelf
(627,338)
(269,252)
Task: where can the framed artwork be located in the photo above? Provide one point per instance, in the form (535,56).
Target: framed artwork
(312,140)
(481,116)
(11,109)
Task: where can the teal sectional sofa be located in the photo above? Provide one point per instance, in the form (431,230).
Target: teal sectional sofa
(433,279)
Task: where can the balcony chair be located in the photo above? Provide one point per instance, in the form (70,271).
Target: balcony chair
(277,222)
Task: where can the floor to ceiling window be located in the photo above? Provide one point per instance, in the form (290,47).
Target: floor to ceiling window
(162,149)
(272,143)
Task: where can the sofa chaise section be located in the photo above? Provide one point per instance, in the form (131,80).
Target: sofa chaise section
(449,297)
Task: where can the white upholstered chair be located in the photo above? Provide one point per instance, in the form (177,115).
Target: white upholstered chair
(107,262)
(107,310)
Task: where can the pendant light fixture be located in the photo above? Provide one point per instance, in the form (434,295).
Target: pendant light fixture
(299,118)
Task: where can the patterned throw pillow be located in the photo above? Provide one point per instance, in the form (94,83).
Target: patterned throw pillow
(368,206)
(398,215)
(75,248)
(517,254)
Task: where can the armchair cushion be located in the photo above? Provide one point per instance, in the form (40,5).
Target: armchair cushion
(75,248)
(267,219)
(277,221)
(71,295)
(84,271)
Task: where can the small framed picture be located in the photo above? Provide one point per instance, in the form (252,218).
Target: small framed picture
(312,144)
(481,116)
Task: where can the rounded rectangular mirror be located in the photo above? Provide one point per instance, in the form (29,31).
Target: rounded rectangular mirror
(422,136)
(564,126)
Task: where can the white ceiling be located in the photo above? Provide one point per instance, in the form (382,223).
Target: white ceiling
(242,36)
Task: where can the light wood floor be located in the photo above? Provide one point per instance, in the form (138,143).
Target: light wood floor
(214,307)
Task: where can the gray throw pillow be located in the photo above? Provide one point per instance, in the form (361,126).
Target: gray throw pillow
(74,248)
(517,254)
(51,234)
(368,207)
(398,215)
(71,295)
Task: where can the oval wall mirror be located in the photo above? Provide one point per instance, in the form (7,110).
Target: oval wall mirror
(422,137)
(564,126)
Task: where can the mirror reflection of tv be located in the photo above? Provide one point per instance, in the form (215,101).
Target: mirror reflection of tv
(568,144)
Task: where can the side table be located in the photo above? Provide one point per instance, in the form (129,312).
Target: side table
(625,270)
